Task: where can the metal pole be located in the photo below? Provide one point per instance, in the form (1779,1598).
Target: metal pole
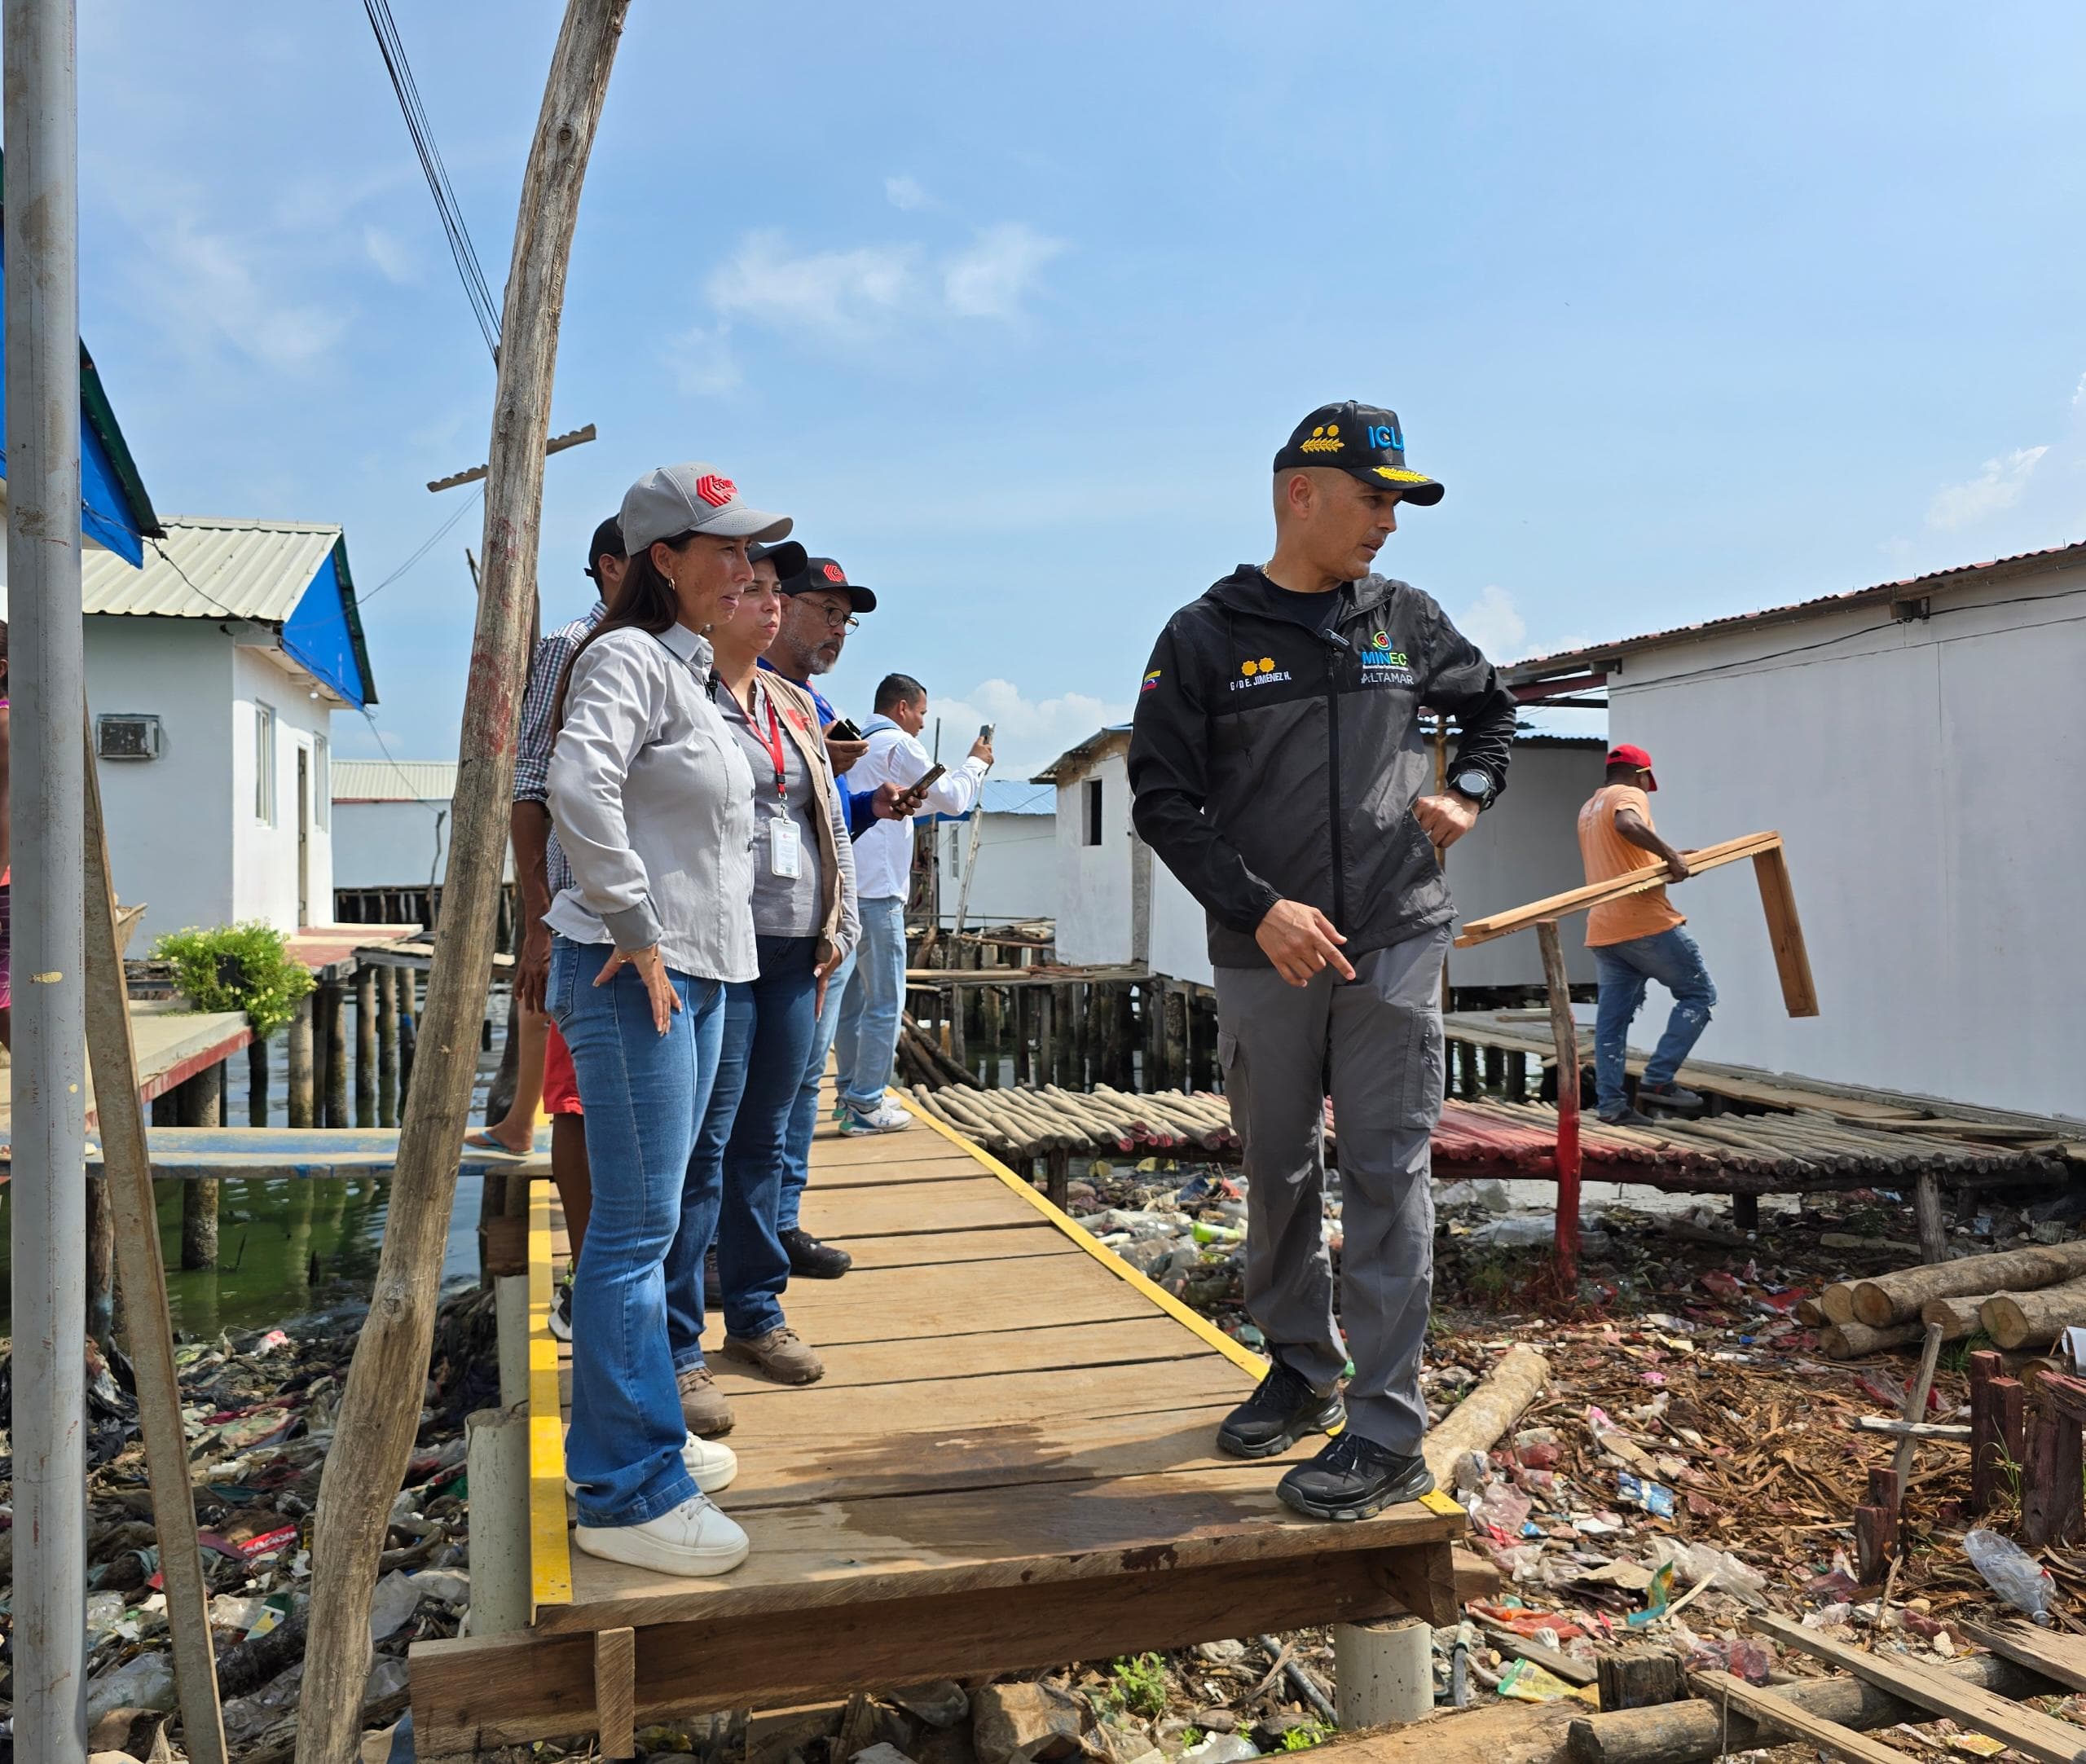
(46,688)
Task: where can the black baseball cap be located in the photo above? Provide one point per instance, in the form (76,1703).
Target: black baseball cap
(608,537)
(787,556)
(820,573)
(1362,440)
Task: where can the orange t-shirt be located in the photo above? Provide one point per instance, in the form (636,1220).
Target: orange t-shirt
(1606,855)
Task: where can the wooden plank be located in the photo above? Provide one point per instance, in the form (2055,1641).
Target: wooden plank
(994,1353)
(246,1154)
(1771,869)
(1782,1716)
(896,1209)
(615,1692)
(2042,1737)
(128,1195)
(1483,930)
(929,1249)
(848,1552)
(2055,1655)
(936,1166)
(503,1691)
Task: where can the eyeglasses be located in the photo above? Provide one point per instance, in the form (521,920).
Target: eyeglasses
(836,620)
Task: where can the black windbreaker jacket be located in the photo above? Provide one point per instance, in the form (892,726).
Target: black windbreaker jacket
(1269,761)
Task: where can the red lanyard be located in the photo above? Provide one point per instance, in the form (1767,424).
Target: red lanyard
(772,741)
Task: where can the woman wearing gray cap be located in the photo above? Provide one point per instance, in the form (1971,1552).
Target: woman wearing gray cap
(652,801)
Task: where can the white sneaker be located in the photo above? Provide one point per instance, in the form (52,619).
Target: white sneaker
(692,1540)
(886,1117)
(712,1465)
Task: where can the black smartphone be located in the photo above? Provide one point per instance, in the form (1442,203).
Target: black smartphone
(985,732)
(844,730)
(928,778)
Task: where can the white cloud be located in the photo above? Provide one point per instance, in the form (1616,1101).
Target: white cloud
(905,193)
(388,254)
(1028,733)
(835,293)
(2079,394)
(1495,625)
(1997,487)
(990,278)
(701,361)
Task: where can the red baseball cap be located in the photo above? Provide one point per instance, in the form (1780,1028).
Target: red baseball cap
(1627,755)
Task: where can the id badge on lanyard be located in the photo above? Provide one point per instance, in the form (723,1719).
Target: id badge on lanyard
(785,853)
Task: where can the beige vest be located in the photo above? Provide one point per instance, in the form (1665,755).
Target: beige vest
(799,717)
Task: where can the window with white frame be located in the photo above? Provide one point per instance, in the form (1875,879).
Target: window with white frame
(264,763)
(322,781)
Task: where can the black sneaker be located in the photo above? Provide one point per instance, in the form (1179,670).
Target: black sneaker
(1677,1098)
(561,1318)
(813,1260)
(1278,1414)
(1625,1116)
(1354,1478)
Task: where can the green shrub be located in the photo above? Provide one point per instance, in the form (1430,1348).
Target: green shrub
(1304,1738)
(237,967)
(1140,1685)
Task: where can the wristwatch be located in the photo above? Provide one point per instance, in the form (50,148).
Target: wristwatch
(1475,785)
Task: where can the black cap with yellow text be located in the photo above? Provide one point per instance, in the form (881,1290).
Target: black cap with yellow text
(1363,441)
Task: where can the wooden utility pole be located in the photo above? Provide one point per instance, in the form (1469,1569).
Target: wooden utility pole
(380,1407)
(1565,1033)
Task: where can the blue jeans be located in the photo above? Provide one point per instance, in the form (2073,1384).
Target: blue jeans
(803,1113)
(867,1042)
(740,1151)
(1624,971)
(644,1094)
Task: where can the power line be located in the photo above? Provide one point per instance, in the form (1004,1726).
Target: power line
(426,545)
(484,308)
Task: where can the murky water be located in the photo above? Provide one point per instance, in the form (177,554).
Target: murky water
(286,1249)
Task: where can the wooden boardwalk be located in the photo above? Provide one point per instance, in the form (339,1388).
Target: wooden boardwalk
(1009,1464)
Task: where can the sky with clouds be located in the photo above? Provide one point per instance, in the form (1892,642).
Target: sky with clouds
(1693,309)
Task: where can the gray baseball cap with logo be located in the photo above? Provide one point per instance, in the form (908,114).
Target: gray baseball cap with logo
(693,498)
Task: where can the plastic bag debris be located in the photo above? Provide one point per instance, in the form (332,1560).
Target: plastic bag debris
(1654,1498)
(1698,1562)
(1220,1749)
(146,1682)
(2013,1574)
(394,1601)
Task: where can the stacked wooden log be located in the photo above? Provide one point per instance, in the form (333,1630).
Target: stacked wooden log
(2024,1298)
(1031,1121)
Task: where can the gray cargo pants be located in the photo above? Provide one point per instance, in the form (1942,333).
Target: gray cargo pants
(1374,1043)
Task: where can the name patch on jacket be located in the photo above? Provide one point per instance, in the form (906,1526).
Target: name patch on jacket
(1259,671)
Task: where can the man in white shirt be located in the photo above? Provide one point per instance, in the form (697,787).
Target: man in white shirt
(868,1039)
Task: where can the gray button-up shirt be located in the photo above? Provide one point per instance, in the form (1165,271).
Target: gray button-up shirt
(652,802)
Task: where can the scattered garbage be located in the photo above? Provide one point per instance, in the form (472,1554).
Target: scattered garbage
(2015,1576)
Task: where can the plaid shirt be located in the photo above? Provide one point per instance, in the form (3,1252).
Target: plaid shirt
(532,757)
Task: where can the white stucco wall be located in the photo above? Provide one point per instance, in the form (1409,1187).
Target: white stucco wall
(170,825)
(1180,929)
(1093,882)
(1925,776)
(1016,877)
(264,870)
(388,845)
(1524,846)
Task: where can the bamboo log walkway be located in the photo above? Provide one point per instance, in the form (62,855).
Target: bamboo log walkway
(1009,1464)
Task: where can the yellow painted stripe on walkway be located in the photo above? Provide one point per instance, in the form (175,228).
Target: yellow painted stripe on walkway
(550,1549)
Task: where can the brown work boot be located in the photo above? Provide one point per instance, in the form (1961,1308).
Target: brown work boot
(703,1406)
(782,1353)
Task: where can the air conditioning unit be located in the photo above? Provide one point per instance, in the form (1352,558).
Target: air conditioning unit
(126,736)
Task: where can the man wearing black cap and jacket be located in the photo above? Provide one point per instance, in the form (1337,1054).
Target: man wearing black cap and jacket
(1277,765)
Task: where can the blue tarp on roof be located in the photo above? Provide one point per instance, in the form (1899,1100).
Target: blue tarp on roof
(318,636)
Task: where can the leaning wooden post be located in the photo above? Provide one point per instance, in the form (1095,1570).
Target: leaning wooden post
(381,1405)
(126,1184)
(365,1046)
(1566,1034)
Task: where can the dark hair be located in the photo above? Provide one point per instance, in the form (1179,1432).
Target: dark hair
(895,689)
(646,601)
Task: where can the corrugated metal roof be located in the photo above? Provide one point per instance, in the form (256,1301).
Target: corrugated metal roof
(1907,588)
(1074,757)
(393,780)
(207,567)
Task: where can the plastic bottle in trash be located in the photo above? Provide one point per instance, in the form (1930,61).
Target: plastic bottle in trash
(2015,1576)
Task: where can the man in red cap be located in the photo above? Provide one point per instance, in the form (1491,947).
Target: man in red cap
(1636,940)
